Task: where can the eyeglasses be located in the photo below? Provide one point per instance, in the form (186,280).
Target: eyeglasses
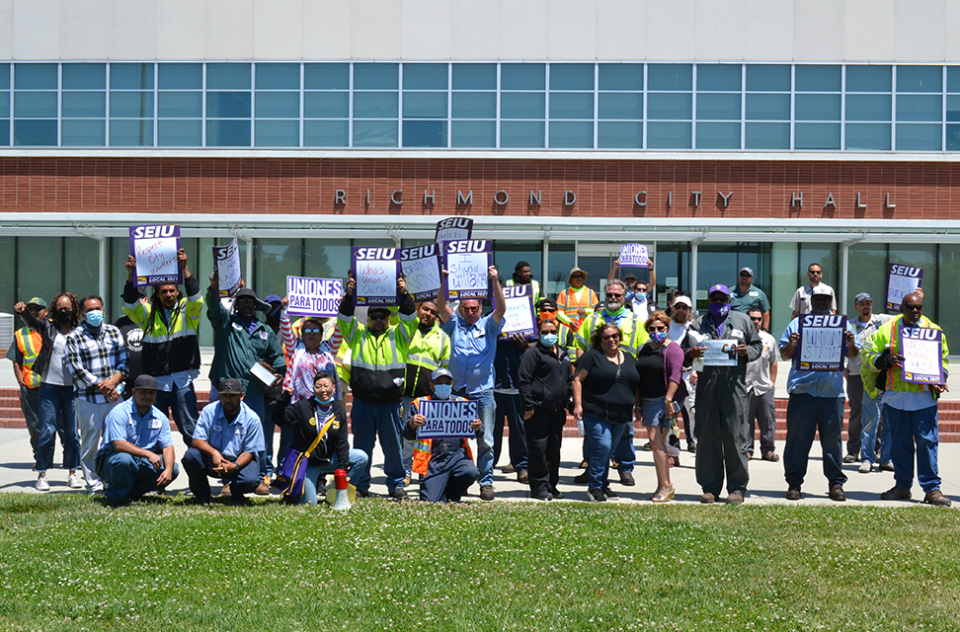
(612,337)
(471,310)
(612,295)
(378,316)
(316,331)
(913,308)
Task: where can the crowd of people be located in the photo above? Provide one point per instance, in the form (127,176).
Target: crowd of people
(109,391)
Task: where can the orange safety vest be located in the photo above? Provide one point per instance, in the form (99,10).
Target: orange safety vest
(29,343)
(423,448)
(571,304)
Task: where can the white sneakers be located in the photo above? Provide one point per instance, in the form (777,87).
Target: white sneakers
(865,467)
(96,488)
(74,482)
(42,484)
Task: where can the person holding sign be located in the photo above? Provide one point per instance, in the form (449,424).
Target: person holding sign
(445,464)
(639,295)
(816,397)
(908,359)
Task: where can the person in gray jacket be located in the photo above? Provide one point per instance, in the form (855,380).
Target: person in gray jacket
(723,434)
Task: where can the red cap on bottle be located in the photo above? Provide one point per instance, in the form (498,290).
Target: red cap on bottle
(340,479)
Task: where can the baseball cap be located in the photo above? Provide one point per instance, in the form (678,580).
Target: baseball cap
(36,300)
(820,290)
(862,296)
(273,298)
(145,382)
(438,373)
(230,386)
(683,300)
(719,287)
(747,270)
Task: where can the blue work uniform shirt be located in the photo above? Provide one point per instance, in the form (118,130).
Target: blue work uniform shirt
(125,423)
(816,383)
(472,352)
(230,438)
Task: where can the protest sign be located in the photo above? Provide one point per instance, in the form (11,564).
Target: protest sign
(634,256)
(313,297)
(901,280)
(922,350)
(821,346)
(155,249)
(226,263)
(453,229)
(519,317)
(447,419)
(467,263)
(375,270)
(421,270)
(719,352)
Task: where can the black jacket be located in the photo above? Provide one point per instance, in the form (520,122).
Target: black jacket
(544,378)
(302,418)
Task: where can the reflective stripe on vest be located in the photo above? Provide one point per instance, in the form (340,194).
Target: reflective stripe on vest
(364,362)
(29,343)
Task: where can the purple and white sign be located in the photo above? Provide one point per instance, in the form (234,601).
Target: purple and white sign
(155,249)
(634,256)
(313,297)
(226,263)
(901,280)
(821,346)
(421,270)
(376,271)
(519,317)
(450,419)
(453,229)
(467,263)
(922,350)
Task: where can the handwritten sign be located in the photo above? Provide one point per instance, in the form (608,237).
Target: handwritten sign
(421,271)
(376,271)
(634,256)
(313,297)
(821,346)
(467,263)
(519,317)
(453,229)
(155,249)
(922,349)
(447,419)
(719,352)
(901,280)
(226,263)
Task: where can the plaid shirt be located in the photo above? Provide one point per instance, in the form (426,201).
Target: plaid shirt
(93,359)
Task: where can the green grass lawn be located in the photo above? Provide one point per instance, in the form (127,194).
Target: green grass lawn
(70,563)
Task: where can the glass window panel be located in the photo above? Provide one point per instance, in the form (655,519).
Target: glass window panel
(278,76)
(669,77)
(180,104)
(571,105)
(376,105)
(718,135)
(817,107)
(375,76)
(228,104)
(228,133)
(768,107)
(425,105)
(528,134)
(474,134)
(228,76)
(83,133)
(131,104)
(621,77)
(622,105)
(424,133)
(35,76)
(8,263)
(816,136)
(571,135)
(768,78)
(5,133)
(40,275)
(768,136)
(278,104)
(722,77)
(4,104)
(326,258)
(953,78)
(275,259)
(949,299)
(35,133)
(669,135)
(522,77)
(670,106)
(818,78)
(475,105)
(507,254)
(913,137)
(868,136)
(84,76)
(718,106)
(870,263)
(82,272)
(953,137)
(571,76)
(375,134)
(331,104)
(425,76)
(919,79)
(620,135)
(180,76)
(86,104)
(130,133)
(4,76)
(35,104)
(326,76)
(953,108)
(919,107)
(179,133)
(277,133)
(327,133)
(131,76)
(869,79)
(522,105)
(868,107)
(474,76)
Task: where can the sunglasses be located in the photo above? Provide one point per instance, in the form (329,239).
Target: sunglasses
(612,295)
(612,337)
(649,329)
(316,331)
(471,310)
(681,306)
(913,308)
(756,320)
(815,272)
(744,275)
(378,316)
(35,309)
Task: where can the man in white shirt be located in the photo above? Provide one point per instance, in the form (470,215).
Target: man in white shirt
(761,378)
(800,303)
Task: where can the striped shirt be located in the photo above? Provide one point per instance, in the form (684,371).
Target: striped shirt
(94,357)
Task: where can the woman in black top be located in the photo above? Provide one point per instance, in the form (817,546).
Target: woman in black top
(603,396)
(543,380)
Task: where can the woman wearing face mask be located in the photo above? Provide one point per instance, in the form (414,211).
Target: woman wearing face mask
(544,382)
(306,419)
(57,404)
(660,367)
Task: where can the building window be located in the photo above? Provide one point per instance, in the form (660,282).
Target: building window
(767,109)
(669,106)
(326,105)
(228,105)
(474,106)
(572,90)
(5,104)
(919,108)
(620,106)
(869,108)
(180,105)
(719,106)
(425,105)
(83,105)
(817,107)
(35,105)
(277,105)
(522,105)
(131,105)
(376,105)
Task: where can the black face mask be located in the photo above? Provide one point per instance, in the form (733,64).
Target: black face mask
(64,315)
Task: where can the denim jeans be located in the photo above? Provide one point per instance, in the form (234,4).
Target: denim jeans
(30,407)
(58,415)
(907,427)
(486,409)
(199,467)
(871,413)
(368,421)
(129,476)
(807,415)
(358,461)
(624,452)
(182,402)
(604,436)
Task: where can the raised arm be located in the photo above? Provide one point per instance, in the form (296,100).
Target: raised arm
(499,301)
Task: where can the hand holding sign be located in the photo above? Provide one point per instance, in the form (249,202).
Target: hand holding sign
(376,271)
(467,264)
(634,255)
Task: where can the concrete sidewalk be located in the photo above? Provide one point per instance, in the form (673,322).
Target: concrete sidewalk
(766,479)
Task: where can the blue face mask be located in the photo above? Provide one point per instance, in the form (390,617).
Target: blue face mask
(719,310)
(323,402)
(95,317)
(549,340)
(658,337)
(442,391)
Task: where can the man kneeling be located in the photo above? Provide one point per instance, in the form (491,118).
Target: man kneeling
(136,456)
(446,465)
